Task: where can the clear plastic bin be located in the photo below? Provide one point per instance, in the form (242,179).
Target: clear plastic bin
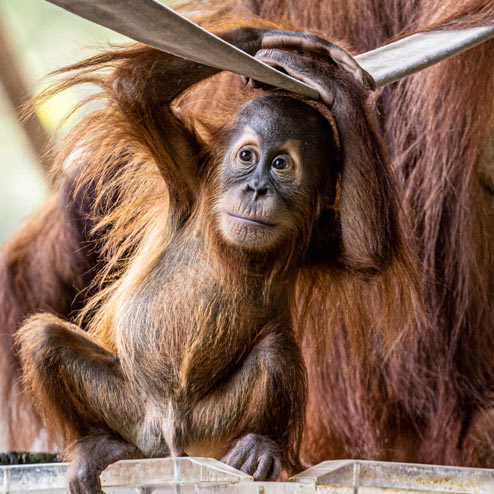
(208,476)
(374,477)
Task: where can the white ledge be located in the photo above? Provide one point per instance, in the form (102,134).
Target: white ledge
(208,476)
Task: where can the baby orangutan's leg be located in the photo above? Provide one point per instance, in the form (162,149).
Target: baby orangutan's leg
(90,456)
(253,419)
(83,395)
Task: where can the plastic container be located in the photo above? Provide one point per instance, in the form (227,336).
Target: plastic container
(208,476)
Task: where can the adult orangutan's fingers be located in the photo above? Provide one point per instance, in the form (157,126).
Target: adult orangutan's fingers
(312,44)
(298,67)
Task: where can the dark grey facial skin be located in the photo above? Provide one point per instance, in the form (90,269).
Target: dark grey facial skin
(277,120)
(280,157)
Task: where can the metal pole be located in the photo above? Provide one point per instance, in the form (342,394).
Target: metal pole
(390,63)
(154,24)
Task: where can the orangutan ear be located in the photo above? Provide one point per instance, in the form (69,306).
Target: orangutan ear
(369,203)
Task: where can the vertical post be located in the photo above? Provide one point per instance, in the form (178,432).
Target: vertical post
(18,95)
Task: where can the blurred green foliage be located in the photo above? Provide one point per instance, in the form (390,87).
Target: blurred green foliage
(43,37)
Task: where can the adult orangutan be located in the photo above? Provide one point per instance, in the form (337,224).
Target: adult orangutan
(429,399)
(416,389)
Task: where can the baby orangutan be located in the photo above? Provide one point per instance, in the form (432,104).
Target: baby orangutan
(195,352)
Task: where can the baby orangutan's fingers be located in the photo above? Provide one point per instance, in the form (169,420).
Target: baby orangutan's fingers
(255,455)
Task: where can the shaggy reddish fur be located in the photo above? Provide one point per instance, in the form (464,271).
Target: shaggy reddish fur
(429,398)
(420,388)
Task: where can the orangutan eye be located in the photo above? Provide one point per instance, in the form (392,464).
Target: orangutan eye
(246,156)
(281,163)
